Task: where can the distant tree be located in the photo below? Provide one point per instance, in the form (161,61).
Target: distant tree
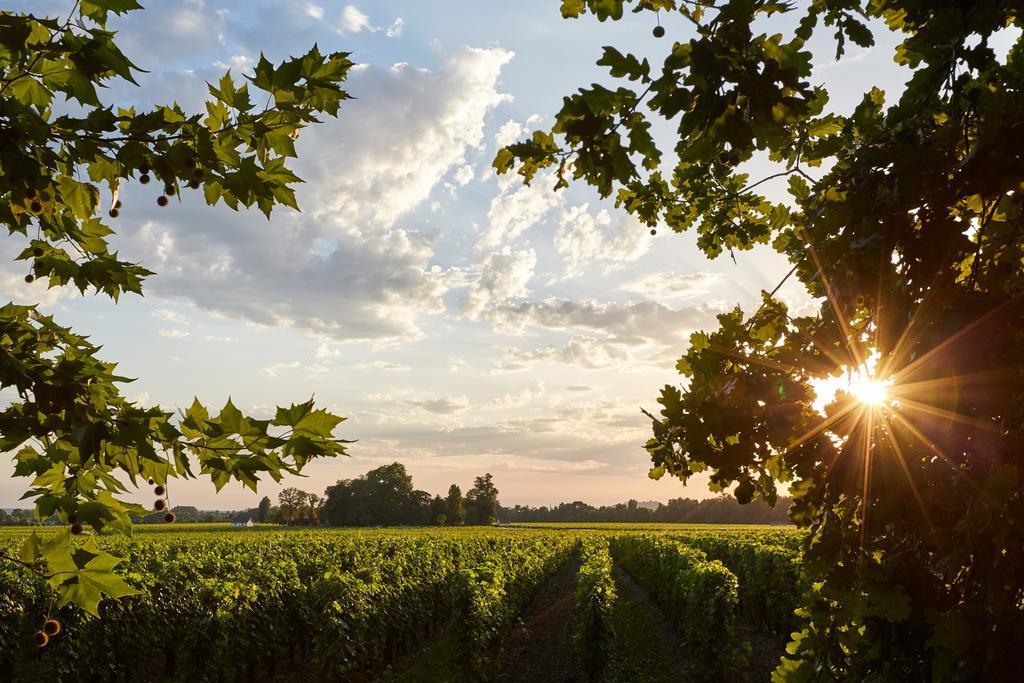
(293,503)
(275,516)
(455,507)
(438,509)
(383,496)
(482,501)
(263,509)
(314,506)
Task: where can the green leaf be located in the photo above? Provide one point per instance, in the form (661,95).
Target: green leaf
(30,548)
(79,197)
(28,90)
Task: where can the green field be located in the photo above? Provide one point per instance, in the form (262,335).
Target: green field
(561,602)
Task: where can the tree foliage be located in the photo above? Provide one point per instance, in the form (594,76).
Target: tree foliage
(64,155)
(455,509)
(481,501)
(903,218)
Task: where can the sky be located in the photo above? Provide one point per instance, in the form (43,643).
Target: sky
(462,322)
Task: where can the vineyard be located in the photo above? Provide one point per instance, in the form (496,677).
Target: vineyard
(418,604)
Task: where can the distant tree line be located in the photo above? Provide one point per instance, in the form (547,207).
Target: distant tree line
(385,496)
(719,510)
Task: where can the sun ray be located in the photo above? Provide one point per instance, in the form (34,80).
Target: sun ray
(905,470)
(918,362)
(822,426)
(868,433)
(938,383)
(958,417)
(844,326)
(904,422)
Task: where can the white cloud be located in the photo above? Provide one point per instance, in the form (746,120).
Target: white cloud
(315,11)
(173,334)
(517,208)
(509,132)
(383,365)
(409,128)
(464,174)
(353,21)
(457,365)
(584,237)
(272,370)
(326,350)
(168,315)
(503,276)
(630,323)
(666,285)
(586,352)
(527,395)
(237,63)
(396,28)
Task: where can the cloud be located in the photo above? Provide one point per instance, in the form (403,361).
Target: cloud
(168,315)
(586,352)
(584,238)
(517,208)
(443,405)
(342,269)
(527,395)
(272,370)
(509,132)
(632,323)
(457,365)
(173,334)
(353,21)
(383,365)
(315,11)
(464,174)
(503,276)
(665,285)
(408,129)
(580,388)
(396,28)
(326,350)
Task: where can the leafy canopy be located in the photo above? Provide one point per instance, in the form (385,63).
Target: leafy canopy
(903,218)
(64,155)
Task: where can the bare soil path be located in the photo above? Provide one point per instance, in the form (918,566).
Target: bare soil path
(540,649)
